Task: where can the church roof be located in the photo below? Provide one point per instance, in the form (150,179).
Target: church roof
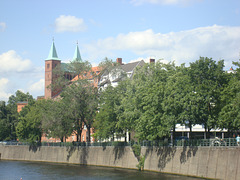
(77,56)
(65,67)
(53,53)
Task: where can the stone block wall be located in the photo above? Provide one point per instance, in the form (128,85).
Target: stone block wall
(210,162)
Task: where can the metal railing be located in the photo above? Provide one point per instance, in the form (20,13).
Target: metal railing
(183,142)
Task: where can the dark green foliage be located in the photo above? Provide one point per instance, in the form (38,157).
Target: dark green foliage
(162,95)
(80,99)
(4,122)
(136,150)
(55,121)
(141,162)
(230,97)
(149,105)
(10,121)
(150,82)
(29,127)
(208,79)
(106,119)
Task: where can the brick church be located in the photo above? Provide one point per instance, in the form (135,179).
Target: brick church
(53,61)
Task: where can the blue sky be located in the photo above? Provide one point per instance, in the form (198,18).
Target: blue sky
(170,30)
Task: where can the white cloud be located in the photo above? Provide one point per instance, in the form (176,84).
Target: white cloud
(37,88)
(11,62)
(162,2)
(218,42)
(69,23)
(4,95)
(2,26)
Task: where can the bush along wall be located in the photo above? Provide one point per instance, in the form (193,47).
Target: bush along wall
(141,158)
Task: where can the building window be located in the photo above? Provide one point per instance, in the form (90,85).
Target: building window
(48,66)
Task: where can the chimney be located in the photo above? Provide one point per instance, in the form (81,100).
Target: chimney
(231,69)
(152,61)
(119,61)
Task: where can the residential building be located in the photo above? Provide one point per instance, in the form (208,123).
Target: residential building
(21,105)
(120,72)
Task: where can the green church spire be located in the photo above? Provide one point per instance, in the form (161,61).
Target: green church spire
(77,56)
(53,53)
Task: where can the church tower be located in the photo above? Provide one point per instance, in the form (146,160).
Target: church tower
(77,56)
(50,63)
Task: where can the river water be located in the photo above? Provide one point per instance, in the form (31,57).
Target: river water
(15,170)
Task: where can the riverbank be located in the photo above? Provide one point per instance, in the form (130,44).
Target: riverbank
(208,162)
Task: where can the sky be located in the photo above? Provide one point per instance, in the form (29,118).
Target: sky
(167,30)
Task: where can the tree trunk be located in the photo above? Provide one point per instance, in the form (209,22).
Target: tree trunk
(208,133)
(79,130)
(173,134)
(79,133)
(205,127)
(89,133)
(129,136)
(190,133)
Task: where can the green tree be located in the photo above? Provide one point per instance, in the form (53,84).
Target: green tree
(172,101)
(12,108)
(110,121)
(229,117)
(29,127)
(150,82)
(91,110)
(208,80)
(81,100)
(125,107)
(106,118)
(4,122)
(55,119)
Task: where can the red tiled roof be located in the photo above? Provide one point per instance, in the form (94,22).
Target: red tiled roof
(96,70)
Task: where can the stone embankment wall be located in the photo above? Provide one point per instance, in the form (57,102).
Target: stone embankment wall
(100,156)
(211,162)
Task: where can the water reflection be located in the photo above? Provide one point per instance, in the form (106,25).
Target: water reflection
(14,170)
